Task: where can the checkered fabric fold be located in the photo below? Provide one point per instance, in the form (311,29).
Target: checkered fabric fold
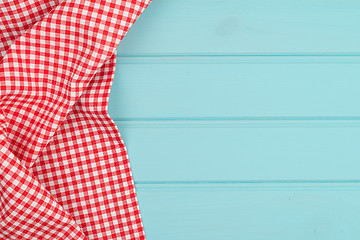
(64,168)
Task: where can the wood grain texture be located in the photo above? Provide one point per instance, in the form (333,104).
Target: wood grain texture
(243,150)
(246,27)
(241,118)
(236,89)
(255,212)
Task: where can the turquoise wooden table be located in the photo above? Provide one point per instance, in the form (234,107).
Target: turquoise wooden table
(242,118)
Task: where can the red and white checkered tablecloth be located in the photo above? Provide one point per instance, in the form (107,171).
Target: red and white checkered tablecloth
(64,170)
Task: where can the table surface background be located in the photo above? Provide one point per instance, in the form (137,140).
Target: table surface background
(241,118)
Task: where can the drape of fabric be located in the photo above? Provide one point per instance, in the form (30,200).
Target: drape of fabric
(64,170)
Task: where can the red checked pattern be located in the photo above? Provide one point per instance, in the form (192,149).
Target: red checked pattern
(64,169)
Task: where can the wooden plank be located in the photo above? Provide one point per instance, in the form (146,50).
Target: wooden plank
(243,150)
(239,87)
(241,118)
(246,27)
(250,211)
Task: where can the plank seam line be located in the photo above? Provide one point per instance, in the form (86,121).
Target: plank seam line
(238,58)
(339,181)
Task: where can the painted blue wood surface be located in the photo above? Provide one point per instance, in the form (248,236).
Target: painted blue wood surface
(236,89)
(246,27)
(241,118)
(243,150)
(251,211)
